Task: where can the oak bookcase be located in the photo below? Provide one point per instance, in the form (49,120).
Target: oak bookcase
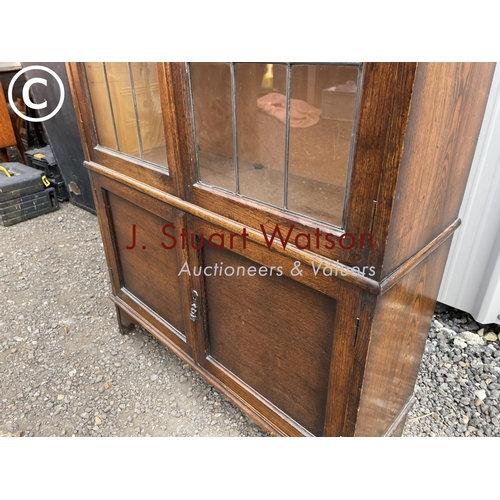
(361,166)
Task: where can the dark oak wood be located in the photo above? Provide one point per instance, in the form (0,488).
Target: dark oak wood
(156,291)
(259,344)
(305,256)
(390,280)
(398,336)
(125,322)
(7,136)
(304,354)
(356,372)
(379,145)
(254,251)
(349,345)
(445,117)
(81,102)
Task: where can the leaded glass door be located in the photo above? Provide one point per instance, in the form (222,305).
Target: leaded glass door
(278,134)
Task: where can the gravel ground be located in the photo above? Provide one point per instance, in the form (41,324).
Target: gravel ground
(458,385)
(66,370)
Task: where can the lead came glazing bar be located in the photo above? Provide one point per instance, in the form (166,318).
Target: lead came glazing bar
(139,137)
(235,137)
(287,134)
(110,105)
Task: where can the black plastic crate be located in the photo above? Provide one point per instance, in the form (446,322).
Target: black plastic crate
(22,180)
(28,206)
(60,188)
(43,159)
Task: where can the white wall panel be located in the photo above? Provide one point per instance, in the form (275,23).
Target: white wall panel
(471,281)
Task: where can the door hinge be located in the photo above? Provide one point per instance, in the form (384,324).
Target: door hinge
(194,306)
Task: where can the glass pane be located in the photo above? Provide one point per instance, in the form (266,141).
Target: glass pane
(304,168)
(212,103)
(127,109)
(122,104)
(149,112)
(321,128)
(260,110)
(100,104)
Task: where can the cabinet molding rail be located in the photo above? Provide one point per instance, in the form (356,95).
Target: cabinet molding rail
(304,256)
(389,281)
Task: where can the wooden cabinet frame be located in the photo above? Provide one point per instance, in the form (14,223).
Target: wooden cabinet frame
(353,372)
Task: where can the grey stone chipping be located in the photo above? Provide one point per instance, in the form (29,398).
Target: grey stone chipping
(67,370)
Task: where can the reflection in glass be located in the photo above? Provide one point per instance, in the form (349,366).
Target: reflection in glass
(122,104)
(149,113)
(211,96)
(98,90)
(277,133)
(127,110)
(261,136)
(319,152)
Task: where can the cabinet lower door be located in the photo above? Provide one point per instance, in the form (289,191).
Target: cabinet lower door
(144,269)
(281,340)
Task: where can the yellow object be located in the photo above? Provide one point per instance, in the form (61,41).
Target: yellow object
(45,181)
(267,81)
(39,155)
(5,170)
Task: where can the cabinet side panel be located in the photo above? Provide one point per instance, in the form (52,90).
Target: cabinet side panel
(400,327)
(445,117)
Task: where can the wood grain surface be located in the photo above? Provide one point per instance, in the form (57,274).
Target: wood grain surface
(302,355)
(7,136)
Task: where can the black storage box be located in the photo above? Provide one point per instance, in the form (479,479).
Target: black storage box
(43,159)
(23,180)
(28,206)
(59,188)
(23,194)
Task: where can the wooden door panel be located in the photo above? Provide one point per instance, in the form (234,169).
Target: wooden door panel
(273,333)
(288,346)
(283,343)
(138,275)
(144,272)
